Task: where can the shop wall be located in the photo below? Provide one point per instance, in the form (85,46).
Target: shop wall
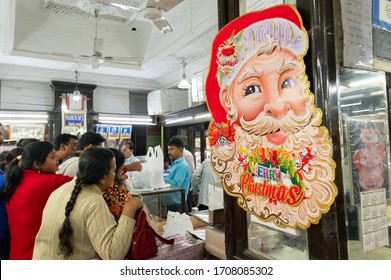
(29,96)
(111,101)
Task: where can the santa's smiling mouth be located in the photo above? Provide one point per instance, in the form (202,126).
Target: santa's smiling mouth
(278,137)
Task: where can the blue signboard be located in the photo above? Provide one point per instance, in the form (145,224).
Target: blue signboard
(75,120)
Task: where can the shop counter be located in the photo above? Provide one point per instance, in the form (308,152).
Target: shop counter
(193,249)
(156,193)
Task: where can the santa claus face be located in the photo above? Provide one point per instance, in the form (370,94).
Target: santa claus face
(270,84)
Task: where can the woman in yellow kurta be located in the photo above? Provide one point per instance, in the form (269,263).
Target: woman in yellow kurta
(77,223)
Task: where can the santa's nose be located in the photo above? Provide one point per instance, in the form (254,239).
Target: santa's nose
(277,108)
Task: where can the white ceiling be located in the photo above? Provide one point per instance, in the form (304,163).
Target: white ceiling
(37,41)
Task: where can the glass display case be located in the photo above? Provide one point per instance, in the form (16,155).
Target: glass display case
(365,162)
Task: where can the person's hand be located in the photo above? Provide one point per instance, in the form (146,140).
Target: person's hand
(134,166)
(132,205)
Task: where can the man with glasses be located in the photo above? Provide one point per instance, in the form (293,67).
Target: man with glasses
(65,145)
(89,139)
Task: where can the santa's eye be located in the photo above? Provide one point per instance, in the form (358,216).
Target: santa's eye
(288,83)
(252,89)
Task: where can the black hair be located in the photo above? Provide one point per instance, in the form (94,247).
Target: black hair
(127,142)
(175,141)
(94,164)
(119,158)
(33,152)
(14,153)
(3,160)
(20,142)
(24,141)
(62,138)
(167,159)
(28,141)
(90,138)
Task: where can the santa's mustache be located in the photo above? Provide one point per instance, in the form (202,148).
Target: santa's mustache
(264,123)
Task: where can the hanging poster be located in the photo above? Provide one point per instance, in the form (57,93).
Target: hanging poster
(102,130)
(381,14)
(19,131)
(267,143)
(114,131)
(357,34)
(374,229)
(126,131)
(368,153)
(74,121)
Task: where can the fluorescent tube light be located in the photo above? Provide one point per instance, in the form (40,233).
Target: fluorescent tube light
(351,104)
(123,122)
(43,116)
(142,119)
(179,120)
(23,121)
(202,116)
(361,111)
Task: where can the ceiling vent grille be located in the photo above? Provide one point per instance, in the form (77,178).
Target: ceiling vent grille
(86,9)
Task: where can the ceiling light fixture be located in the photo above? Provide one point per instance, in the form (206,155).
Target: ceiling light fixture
(184,84)
(76,93)
(124,119)
(179,120)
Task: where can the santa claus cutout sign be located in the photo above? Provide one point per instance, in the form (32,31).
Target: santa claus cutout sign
(267,142)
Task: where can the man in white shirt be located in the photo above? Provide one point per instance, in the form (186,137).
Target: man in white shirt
(131,162)
(203,176)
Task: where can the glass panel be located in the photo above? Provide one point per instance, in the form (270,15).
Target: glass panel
(207,148)
(183,133)
(197,147)
(365,162)
(197,87)
(270,242)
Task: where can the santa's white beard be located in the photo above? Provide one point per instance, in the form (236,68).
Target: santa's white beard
(319,188)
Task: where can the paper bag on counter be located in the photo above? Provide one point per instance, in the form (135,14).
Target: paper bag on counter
(216,197)
(177,224)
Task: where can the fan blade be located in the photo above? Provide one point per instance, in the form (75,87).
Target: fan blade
(163,25)
(119,58)
(167,5)
(60,54)
(125,7)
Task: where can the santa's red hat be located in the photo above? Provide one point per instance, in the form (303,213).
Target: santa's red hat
(241,39)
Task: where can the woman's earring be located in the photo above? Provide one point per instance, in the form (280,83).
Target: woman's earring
(102,181)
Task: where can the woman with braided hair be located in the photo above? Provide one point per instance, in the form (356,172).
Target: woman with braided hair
(30,179)
(76,222)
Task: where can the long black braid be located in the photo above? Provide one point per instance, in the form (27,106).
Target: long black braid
(65,247)
(94,164)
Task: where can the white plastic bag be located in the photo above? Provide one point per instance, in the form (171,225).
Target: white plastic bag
(177,224)
(151,175)
(143,179)
(157,176)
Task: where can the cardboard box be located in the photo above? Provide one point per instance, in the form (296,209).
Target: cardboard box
(216,217)
(215,242)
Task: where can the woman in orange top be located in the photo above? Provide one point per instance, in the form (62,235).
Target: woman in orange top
(118,194)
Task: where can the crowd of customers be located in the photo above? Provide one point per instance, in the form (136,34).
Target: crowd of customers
(70,199)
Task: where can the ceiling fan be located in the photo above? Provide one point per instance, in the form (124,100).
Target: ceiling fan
(153,11)
(97,57)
